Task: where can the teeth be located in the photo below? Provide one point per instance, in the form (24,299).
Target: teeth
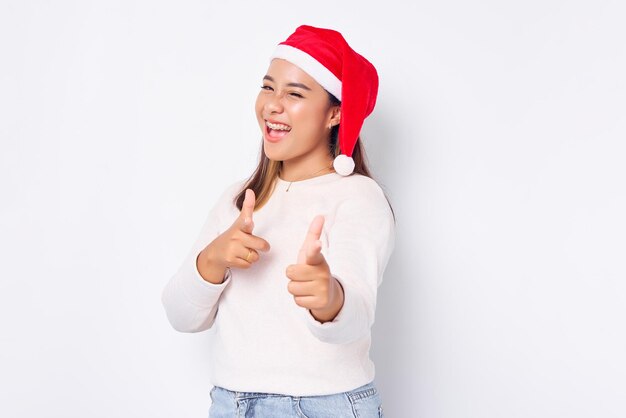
(277,126)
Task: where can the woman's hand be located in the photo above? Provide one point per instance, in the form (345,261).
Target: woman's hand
(311,282)
(236,247)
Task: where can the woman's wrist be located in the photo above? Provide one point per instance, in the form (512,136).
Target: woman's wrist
(331,312)
(209,271)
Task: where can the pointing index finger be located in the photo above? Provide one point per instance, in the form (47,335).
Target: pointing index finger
(247,208)
(312,235)
(315,231)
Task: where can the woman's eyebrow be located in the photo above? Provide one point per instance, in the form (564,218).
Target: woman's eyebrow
(302,86)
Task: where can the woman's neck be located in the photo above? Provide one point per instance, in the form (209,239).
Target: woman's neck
(293,172)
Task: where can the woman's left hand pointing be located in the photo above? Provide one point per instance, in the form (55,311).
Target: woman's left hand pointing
(311,283)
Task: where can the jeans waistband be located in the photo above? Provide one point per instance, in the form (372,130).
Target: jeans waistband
(358,393)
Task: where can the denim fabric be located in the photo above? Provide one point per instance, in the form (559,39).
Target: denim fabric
(362,402)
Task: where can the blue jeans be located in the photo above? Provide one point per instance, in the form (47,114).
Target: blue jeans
(362,402)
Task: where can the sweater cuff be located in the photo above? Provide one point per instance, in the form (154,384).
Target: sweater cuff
(197,290)
(339,329)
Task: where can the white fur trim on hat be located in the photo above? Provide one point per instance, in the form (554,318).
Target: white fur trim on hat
(311,66)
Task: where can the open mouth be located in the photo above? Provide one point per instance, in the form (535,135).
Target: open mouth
(276,131)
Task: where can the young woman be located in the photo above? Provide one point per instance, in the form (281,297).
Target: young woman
(286,268)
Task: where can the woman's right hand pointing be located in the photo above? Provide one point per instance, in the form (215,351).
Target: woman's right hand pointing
(234,248)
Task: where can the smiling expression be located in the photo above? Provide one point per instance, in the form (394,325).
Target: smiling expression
(293,112)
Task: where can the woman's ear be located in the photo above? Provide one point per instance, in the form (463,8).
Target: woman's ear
(335,115)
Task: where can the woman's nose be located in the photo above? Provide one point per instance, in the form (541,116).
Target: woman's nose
(274,104)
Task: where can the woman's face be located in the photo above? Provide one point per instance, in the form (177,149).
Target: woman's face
(298,112)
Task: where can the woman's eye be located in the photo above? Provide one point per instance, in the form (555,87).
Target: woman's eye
(266,87)
(296,94)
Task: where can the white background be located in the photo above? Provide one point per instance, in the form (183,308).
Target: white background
(498,136)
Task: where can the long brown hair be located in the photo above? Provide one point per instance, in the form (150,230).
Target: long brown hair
(264,177)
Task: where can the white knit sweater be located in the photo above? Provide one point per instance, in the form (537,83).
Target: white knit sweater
(262,341)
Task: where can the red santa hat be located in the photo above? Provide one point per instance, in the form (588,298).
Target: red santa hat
(325,55)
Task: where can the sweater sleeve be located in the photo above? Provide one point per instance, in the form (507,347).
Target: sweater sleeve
(191,302)
(360,244)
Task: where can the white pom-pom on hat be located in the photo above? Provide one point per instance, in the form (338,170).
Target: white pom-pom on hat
(343,165)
